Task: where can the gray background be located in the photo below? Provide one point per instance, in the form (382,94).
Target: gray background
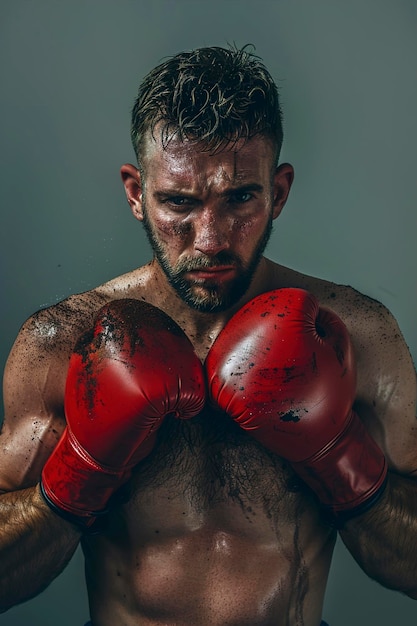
(348,77)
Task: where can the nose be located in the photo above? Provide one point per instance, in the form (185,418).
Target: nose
(210,233)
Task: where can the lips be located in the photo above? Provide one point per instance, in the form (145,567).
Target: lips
(218,273)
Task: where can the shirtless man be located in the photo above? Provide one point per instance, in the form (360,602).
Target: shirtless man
(225,514)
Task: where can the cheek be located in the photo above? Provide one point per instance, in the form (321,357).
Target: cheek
(249,229)
(172,230)
(243,228)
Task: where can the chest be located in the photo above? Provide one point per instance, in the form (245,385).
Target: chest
(204,468)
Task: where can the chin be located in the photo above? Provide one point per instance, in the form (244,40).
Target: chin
(213,301)
(208,307)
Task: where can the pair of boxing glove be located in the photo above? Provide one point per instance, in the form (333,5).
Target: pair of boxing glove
(282,368)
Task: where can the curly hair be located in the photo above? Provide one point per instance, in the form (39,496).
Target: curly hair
(213,95)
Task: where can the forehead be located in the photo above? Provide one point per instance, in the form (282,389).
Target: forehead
(245,160)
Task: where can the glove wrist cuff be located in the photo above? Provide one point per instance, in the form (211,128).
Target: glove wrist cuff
(349,476)
(339,519)
(75,485)
(89,523)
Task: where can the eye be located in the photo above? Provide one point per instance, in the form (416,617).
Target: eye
(241,197)
(178,203)
(178,200)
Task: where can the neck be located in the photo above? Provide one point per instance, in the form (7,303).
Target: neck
(202,328)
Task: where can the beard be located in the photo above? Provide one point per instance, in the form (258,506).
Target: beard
(210,297)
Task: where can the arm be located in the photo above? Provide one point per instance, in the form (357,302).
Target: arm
(35,544)
(283,370)
(384,540)
(132,368)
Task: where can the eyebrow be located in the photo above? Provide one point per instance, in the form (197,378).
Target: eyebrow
(242,188)
(165,193)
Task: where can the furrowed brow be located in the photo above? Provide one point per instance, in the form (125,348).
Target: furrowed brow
(243,189)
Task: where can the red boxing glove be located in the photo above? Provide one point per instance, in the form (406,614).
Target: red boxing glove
(124,377)
(283,369)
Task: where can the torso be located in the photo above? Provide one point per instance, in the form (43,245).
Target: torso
(212,529)
(216,530)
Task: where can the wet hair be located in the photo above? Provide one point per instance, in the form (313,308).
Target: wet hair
(214,95)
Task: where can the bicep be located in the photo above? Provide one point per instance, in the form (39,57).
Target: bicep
(33,411)
(24,449)
(387,393)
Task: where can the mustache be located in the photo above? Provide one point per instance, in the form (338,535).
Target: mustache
(189,264)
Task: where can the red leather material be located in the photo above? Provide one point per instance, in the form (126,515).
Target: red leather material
(284,369)
(124,377)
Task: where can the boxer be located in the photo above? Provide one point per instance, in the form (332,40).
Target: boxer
(206,424)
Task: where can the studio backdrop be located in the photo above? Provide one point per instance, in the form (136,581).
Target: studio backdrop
(347,73)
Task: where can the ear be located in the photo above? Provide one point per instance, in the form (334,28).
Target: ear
(283,178)
(133,187)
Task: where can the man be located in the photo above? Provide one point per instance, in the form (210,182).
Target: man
(211,449)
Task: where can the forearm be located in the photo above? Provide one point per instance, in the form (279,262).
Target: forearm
(384,540)
(35,546)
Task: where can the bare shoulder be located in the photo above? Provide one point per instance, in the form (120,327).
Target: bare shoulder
(369,322)
(34,383)
(377,339)
(387,388)
(49,335)
(50,332)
